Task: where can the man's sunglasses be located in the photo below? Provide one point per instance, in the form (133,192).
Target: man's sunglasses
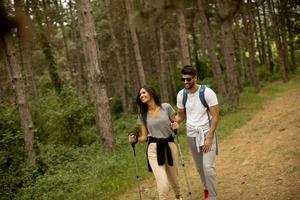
(186,79)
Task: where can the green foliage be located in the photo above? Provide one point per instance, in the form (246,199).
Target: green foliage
(66,171)
(209,81)
(266,75)
(67,119)
(225,106)
(86,172)
(203,69)
(155,84)
(122,127)
(177,75)
(14,171)
(116,107)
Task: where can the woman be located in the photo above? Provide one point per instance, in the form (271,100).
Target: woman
(155,121)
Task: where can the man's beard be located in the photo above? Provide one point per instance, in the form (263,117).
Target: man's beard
(191,85)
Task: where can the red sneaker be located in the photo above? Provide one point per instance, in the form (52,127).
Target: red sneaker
(206,195)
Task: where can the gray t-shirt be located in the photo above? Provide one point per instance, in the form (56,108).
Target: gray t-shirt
(159,126)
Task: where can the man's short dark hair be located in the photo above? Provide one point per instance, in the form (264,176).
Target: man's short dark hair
(188,70)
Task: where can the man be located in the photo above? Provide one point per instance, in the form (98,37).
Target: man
(200,126)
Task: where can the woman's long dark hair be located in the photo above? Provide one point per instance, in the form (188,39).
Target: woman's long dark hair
(143,107)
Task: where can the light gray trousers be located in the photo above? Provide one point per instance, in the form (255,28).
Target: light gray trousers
(205,164)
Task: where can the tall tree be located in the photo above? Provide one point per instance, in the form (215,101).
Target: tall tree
(251,46)
(262,45)
(26,37)
(61,18)
(226,11)
(269,56)
(243,69)
(288,12)
(76,57)
(184,45)
(96,72)
(128,75)
(211,48)
(122,81)
(136,45)
(281,5)
(164,71)
(47,49)
(8,45)
(279,37)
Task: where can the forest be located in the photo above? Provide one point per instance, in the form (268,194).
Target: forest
(70,71)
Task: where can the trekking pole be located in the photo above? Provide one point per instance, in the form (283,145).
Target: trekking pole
(182,164)
(136,171)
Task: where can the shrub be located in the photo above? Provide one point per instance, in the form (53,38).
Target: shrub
(14,170)
(67,119)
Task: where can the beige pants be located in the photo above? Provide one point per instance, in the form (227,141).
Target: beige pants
(165,175)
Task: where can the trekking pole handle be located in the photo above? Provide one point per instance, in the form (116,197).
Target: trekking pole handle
(136,137)
(175,130)
(133,144)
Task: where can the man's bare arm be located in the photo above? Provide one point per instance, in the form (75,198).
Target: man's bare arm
(214,111)
(180,116)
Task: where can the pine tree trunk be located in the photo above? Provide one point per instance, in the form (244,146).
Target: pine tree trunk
(246,44)
(251,47)
(47,50)
(136,45)
(48,27)
(278,41)
(99,91)
(164,72)
(283,31)
(25,35)
(172,86)
(129,86)
(80,75)
(269,56)
(291,45)
(59,7)
(228,53)
(184,46)
(121,70)
(262,36)
(210,46)
(243,68)
(226,12)
(19,87)
(194,53)
(256,39)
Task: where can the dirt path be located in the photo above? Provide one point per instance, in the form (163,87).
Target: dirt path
(260,160)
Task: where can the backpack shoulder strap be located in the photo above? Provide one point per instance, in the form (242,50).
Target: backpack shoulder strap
(203,101)
(202,97)
(185,96)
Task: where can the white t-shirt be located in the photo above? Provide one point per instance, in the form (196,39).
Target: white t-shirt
(196,115)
